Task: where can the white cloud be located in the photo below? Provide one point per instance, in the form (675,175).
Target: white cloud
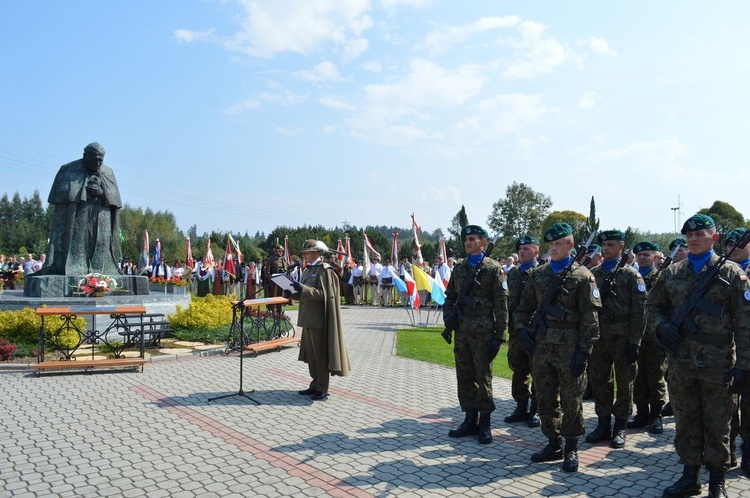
(325,71)
(600,46)
(372,66)
(285,98)
(588,100)
(287,132)
(354,48)
(241,106)
(389,4)
(300,26)
(188,36)
(337,104)
(430,85)
(537,53)
(444,37)
(387,124)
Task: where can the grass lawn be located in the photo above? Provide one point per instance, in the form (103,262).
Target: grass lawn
(426,344)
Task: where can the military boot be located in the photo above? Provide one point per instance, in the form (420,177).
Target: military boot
(687,485)
(553,451)
(520,414)
(745,466)
(716,483)
(618,433)
(533,420)
(602,432)
(485,431)
(571,455)
(654,420)
(468,427)
(641,417)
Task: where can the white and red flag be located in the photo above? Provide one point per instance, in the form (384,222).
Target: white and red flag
(208,259)
(416,248)
(394,249)
(189,261)
(143,261)
(287,252)
(340,253)
(348,251)
(368,245)
(229,260)
(412,291)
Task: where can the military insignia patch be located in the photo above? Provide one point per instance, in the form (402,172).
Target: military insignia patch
(592,278)
(691,223)
(642,287)
(747,295)
(638,275)
(595,293)
(548,236)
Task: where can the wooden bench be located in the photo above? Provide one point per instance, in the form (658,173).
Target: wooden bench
(276,344)
(86,364)
(154,329)
(90,335)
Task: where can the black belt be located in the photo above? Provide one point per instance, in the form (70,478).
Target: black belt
(711,339)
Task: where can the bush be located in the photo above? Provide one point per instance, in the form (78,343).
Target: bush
(210,312)
(22,326)
(7,350)
(26,349)
(209,336)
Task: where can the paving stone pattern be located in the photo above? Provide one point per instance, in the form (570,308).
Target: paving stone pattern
(382,432)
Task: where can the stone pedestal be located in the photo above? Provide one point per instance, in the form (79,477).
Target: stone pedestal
(66,286)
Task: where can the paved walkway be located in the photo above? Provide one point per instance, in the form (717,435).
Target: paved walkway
(383,432)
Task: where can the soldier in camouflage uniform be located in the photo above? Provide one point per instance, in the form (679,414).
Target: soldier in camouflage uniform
(680,255)
(480,321)
(621,323)
(561,347)
(741,418)
(518,360)
(650,391)
(708,355)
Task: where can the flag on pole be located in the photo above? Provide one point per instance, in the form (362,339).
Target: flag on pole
(157,252)
(208,259)
(236,246)
(368,245)
(229,260)
(189,261)
(416,249)
(426,283)
(341,252)
(444,271)
(287,252)
(143,261)
(400,284)
(394,249)
(366,266)
(411,290)
(349,253)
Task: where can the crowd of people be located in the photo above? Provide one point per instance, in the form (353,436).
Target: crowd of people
(13,268)
(632,325)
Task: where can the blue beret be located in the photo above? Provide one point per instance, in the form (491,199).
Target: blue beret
(697,222)
(558,231)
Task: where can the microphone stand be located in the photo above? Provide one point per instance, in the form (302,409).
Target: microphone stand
(241,306)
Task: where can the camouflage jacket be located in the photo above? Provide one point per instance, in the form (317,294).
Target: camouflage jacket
(650,278)
(623,307)
(580,302)
(516,283)
(490,295)
(721,341)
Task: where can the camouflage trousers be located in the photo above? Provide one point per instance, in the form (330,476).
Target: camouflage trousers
(559,395)
(606,354)
(741,420)
(473,365)
(703,408)
(650,387)
(520,363)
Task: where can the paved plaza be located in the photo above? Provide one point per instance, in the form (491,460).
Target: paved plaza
(382,432)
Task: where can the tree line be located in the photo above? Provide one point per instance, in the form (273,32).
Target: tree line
(25,227)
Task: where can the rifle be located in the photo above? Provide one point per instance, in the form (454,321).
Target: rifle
(608,285)
(695,299)
(667,261)
(463,297)
(546,307)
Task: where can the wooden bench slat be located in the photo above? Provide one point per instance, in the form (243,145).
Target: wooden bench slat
(114,362)
(272,344)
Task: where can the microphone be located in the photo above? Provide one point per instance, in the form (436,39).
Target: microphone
(292,267)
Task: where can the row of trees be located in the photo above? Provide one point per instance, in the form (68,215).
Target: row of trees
(24,227)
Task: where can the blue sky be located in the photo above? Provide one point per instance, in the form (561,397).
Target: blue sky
(246,115)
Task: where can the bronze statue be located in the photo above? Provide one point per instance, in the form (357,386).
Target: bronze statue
(85,228)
